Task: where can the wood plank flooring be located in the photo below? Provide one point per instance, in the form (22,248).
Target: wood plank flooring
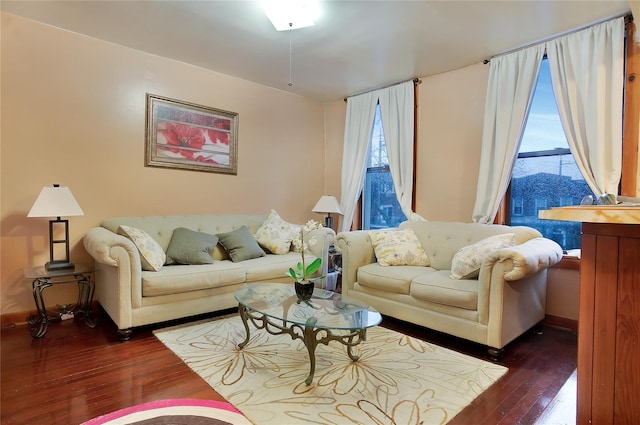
(74,373)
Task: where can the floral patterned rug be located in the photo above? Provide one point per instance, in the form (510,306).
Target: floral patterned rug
(397,380)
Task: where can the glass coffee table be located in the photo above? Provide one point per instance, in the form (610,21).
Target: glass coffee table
(326,317)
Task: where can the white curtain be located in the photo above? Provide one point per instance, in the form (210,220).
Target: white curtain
(587,74)
(397,112)
(512,79)
(396,108)
(357,134)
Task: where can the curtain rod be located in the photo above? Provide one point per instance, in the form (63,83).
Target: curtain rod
(415,82)
(627,16)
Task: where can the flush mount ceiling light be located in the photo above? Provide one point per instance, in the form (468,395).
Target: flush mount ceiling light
(291,14)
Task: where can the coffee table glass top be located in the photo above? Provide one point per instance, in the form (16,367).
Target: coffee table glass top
(326,309)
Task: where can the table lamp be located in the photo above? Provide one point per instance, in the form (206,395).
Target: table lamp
(56,201)
(328,204)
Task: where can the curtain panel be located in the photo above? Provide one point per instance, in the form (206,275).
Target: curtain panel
(512,79)
(587,75)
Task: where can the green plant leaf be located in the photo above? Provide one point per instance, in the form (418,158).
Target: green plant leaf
(292,273)
(314,266)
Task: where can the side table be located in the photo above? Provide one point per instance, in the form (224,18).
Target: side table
(82,275)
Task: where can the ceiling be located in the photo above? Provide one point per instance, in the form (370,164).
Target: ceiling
(355,46)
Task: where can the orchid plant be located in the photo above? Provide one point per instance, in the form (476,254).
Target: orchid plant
(302,271)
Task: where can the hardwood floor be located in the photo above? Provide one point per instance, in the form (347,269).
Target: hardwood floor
(74,373)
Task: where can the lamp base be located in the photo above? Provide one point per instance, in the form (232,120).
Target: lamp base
(59,265)
(328,221)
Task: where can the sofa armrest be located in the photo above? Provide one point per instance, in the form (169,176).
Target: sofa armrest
(99,243)
(325,237)
(119,283)
(357,251)
(528,258)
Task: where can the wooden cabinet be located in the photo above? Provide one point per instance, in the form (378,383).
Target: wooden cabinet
(609,325)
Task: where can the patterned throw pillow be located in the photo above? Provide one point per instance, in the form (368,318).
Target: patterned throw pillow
(398,248)
(467,261)
(152,257)
(275,234)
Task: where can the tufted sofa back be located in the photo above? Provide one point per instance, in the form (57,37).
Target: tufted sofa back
(161,227)
(441,240)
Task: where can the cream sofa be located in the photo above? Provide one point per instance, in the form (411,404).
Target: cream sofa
(505,300)
(134,297)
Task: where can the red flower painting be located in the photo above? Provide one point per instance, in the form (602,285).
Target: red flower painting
(189,136)
(186,139)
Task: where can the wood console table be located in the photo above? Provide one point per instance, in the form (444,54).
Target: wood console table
(608,375)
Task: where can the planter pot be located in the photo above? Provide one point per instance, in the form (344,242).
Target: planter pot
(304,291)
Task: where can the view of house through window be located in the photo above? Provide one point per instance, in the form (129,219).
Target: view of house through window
(545,174)
(380,207)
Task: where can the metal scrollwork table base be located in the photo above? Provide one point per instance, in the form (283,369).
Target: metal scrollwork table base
(81,274)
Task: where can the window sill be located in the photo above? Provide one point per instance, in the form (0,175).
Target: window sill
(571,262)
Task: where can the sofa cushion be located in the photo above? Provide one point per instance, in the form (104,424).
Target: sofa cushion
(438,288)
(467,261)
(275,234)
(398,248)
(390,279)
(190,247)
(152,257)
(240,244)
(177,279)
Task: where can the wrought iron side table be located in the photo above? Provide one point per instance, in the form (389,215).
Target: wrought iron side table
(82,275)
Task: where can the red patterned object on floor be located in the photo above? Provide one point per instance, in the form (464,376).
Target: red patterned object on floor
(176,411)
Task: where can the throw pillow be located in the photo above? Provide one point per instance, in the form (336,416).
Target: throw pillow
(398,248)
(275,234)
(240,244)
(152,257)
(467,261)
(190,247)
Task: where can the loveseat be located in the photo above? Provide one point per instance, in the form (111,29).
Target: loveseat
(204,262)
(483,283)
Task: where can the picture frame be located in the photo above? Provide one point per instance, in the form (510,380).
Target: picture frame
(188,136)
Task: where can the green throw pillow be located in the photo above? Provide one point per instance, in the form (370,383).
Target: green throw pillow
(240,244)
(190,247)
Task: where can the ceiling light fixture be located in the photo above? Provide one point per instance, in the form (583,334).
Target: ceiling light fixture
(291,14)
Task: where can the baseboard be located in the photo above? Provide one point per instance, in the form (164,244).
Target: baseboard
(561,323)
(20,318)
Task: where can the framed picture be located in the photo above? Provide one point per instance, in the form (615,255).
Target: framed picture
(191,137)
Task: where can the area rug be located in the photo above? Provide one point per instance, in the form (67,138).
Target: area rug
(175,411)
(397,380)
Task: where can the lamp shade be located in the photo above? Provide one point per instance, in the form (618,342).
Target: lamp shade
(328,204)
(55,201)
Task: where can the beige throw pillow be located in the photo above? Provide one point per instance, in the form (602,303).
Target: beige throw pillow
(275,234)
(152,257)
(398,248)
(467,261)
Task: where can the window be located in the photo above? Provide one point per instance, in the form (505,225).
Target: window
(545,174)
(380,207)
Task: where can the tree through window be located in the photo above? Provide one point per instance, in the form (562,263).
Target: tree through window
(380,207)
